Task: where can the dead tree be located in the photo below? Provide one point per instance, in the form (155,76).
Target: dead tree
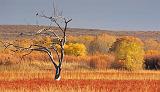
(57,19)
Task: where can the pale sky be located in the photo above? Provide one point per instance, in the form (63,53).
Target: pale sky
(99,14)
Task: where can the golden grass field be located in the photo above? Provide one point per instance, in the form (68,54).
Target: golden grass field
(81,81)
(35,73)
(90,73)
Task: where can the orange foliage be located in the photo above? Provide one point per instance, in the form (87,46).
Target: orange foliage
(101,61)
(98,61)
(152,52)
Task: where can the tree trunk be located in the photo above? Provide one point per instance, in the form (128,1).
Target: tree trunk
(57,75)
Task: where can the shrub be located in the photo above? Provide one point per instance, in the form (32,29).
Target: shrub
(75,49)
(97,61)
(86,40)
(152,60)
(151,44)
(101,61)
(98,44)
(101,44)
(129,53)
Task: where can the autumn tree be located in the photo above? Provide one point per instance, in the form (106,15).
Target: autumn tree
(48,45)
(84,39)
(75,49)
(129,53)
(151,44)
(101,43)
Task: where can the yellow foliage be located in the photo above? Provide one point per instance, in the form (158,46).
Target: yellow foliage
(131,39)
(75,49)
(86,40)
(129,50)
(47,41)
(100,44)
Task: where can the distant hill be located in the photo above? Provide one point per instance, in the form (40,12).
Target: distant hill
(12,31)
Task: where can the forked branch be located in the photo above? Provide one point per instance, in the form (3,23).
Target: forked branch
(57,19)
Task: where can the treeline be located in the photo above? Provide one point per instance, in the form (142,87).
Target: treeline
(102,51)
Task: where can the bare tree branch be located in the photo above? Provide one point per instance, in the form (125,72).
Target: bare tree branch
(58,56)
(33,48)
(62,24)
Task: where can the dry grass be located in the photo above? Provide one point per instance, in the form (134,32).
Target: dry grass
(97,61)
(81,81)
(82,74)
(74,85)
(35,73)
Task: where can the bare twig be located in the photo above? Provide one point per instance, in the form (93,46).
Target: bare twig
(56,19)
